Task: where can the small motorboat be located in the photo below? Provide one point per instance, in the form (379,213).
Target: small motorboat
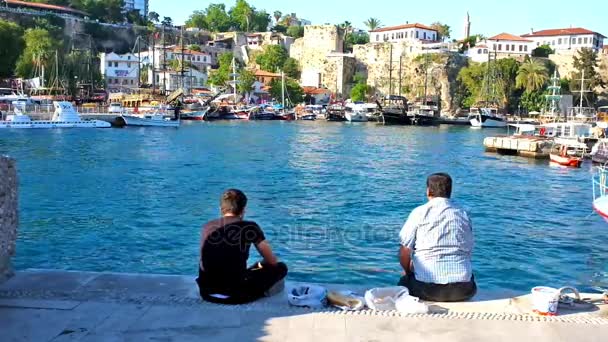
(487,117)
(355,115)
(194,115)
(567,155)
(148,120)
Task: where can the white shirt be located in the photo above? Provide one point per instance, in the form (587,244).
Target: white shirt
(440,234)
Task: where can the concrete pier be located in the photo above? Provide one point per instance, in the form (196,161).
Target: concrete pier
(530,147)
(52,305)
(9,219)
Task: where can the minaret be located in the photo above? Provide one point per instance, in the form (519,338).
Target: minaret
(467,27)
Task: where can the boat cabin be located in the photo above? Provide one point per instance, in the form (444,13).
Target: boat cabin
(566,130)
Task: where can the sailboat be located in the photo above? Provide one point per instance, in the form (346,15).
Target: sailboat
(486,115)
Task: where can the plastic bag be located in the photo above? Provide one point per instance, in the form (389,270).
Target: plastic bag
(346,300)
(312,296)
(384,298)
(411,305)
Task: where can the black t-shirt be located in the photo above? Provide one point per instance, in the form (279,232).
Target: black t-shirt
(225,250)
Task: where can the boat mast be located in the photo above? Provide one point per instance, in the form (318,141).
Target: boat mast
(426,77)
(283,90)
(400,71)
(390,71)
(582,91)
(153,62)
(234,79)
(164,62)
(183,52)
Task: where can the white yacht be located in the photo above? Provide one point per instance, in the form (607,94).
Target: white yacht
(355,112)
(149,120)
(487,117)
(65,116)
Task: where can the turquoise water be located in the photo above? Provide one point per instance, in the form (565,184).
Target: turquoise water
(331,197)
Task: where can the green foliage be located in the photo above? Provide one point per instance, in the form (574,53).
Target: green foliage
(586,60)
(532,101)
(359,92)
(241,15)
(246,80)
(11,47)
(273,58)
(470,42)
(543,51)
(197,19)
(443,30)
(280,28)
(38,48)
(194,47)
(221,75)
(291,68)
(260,21)
(277,16)
(154,17)
(373,23)
(531,76)
(110,11)
(217,19)
(352,39)
(167,21)
(295,31)
(293,91)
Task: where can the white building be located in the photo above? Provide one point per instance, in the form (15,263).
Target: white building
(503,45)
(140,5)
(172,80)
(568,39)
(120,71)
(404,33)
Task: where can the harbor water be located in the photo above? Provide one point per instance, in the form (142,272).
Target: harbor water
(331,198)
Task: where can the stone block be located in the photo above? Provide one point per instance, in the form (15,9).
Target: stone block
(9,219)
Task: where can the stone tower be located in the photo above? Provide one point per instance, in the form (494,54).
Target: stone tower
(467,27)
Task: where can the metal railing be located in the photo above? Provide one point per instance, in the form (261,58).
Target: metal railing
(600,182)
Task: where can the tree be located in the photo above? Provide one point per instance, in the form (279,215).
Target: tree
(217,18)
(167,21)
(38,48)
(531,76)
(373,23)
(221,75)
(359,92)
(194,47)
(586,64)
(291,68)
(197,19)
(241,15)
(543,51)
(355,39)
(134,17)
(470,42)
(295,31)
(246,80)
(443,30)
(154,17)
(277,16)
(279,29)
(293,92)
(532,101)
(273,58)
(260,21)
(12,46)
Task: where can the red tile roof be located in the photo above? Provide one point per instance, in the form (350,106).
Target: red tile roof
(45,6)
(315,90)
(262,73)
(561,32)
(510,37)
(401,27)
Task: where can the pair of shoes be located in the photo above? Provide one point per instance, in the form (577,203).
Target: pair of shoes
(277,288)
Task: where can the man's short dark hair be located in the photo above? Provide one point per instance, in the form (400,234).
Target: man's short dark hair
(439,185)
(233,201)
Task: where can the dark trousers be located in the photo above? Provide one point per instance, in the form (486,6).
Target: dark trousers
(251,287)
(454,292)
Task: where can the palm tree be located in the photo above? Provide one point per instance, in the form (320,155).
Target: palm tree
(531,76)
(277,16)
(154,17)
(372,23)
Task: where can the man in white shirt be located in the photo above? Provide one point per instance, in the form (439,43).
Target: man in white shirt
(436,247)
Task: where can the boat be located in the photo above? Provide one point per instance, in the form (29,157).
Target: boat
(600,192)
(335,112)
(194,115)
(65,116)
(355,112)
(567,154)
(355,115)
(148,120)
(393,111)
(487,117)
(424,113)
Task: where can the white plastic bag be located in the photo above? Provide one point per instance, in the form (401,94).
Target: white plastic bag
(384,298)
(411,305)
(312,296)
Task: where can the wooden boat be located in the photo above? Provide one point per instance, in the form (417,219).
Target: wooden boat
(567,155)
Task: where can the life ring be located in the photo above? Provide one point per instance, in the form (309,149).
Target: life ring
(543,131)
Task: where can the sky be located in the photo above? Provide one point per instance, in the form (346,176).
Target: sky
(488,17)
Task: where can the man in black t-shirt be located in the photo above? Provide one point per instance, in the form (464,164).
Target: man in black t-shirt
(225,243)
